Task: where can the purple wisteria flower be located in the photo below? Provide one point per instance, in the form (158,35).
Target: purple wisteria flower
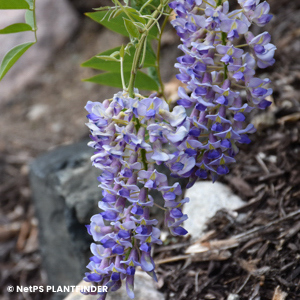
(221,83)
(127,135)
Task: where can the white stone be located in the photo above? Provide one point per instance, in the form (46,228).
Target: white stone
(144,288)
(56,22)
(206,198)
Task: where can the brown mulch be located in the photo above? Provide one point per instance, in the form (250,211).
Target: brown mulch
(255,250)
(251,252)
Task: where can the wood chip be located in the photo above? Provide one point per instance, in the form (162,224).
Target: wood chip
(23,235)
(290,118)
(32,242)
(9,231)
(205,256)
(278,294)
(212,245)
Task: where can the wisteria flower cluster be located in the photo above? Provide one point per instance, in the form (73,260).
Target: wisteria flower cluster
(128,133)
(220,77)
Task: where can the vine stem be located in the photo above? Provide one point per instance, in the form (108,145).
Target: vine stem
(34,20)
(138,52)
(162,88)
(225,66)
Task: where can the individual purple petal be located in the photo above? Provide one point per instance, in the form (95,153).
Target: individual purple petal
(147,262)
(130,286)
(239,117)
(94,277)
(179,231)
(176,213)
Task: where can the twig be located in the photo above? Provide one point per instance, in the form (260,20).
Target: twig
(171,259)
(243,285)
(205,256)
(172,247)
(262,164)
(271,175)
(196,282)
(240,237)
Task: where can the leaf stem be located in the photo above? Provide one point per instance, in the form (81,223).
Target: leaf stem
(34,20)
(138,52)
(145,4)
(124,10)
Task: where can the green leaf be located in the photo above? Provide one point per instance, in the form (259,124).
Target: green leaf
(18,27)
(135,15)
(142,82)
(12,56)
(112,66)
(116,24)
(152,72)
(131,28)
(30,2)
(14,4)
(29,18)
(149,8)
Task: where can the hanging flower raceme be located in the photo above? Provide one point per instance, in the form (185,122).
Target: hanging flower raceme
(127,135)
(219,74)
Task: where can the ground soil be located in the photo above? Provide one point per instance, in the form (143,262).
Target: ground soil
(266,232)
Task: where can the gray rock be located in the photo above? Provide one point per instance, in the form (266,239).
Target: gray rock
(56,22)
(144,288)
(65,193)
(206,199)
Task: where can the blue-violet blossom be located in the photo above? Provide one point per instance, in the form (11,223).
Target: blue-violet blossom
(127,135)
(220,76)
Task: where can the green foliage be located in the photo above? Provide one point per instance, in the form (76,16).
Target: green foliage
(31,4)
(115,24)
(114,21)
(152,72)
(140,24)
(12,56)
(29,18)
(18,27)
(149,5)
(14,4)
(142,82)
(131,28)
(110,61)
(103,61)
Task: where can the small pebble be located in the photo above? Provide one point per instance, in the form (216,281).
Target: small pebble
(233,297)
